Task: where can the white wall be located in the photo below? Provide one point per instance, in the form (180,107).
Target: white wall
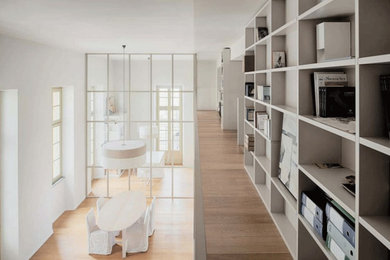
(9,174)
(207,85)
(33,69)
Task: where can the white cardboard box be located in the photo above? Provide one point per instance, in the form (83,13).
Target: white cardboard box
(333,41)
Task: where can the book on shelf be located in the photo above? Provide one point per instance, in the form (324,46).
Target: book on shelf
(325,79)
(313,221)
(249,89)
(263,93)
(335,249)
(260,119)
(249,142)
(341,221)
(279,59)
(340,240)
(385,89)
(262,32)
(250,114)
(288,162)
(337,101)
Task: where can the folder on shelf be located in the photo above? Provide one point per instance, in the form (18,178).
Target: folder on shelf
(313,221)
(340,240)
(341,223)
(315,201)
(335,249)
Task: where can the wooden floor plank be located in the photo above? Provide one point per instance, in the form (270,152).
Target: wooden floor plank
(237,224)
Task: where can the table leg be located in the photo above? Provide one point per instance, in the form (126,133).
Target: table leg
(124,243)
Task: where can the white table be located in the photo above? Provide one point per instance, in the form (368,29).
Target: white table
(122,211)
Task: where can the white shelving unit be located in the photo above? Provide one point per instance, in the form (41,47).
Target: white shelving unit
(366,154)
(230,78)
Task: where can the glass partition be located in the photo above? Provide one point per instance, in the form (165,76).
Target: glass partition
(155,105)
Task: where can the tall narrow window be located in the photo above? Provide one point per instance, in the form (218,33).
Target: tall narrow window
(57,133)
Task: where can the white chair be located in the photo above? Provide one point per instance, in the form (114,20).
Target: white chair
(152,217)
(99,241)
(137,235)
(99,205)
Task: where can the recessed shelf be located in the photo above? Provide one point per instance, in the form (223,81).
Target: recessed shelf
(250,171)
(285,193)
(375,59)
(380,144)
(264,103)
(250,98)
(329,64)
(329,8)
(286,109)
(326,127)
(330,181)
(261,132)
(318,239)
(287,231)
(283,29)
(263,191)
(284,69)
(379,226)
(265,163)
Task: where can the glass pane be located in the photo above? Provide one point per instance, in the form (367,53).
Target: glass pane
(140,106)
(177,115)
(188,107)
(97,72)
(118,103)
(56,134)
(56,151)
(97,106)
(115,131)
(140,73)
(119,181)
(96,137)
(183,68)
(139,180)
(56,98)
(163,115)
(162,182)
(56,168)
(56,113)
(163,102)
(97,182)
(116,72)
(161,71)
(183,182)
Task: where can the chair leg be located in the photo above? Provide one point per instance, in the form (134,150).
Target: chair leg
(124,243)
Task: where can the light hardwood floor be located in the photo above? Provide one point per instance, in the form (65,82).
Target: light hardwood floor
(173,238)
(237,224)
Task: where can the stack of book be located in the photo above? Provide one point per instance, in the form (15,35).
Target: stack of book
(250,114)
(262,121)
(313,205)
(263,93)
(331,96)
(340,237)
(331,222)
(249,143)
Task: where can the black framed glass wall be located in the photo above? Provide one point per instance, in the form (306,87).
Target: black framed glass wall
(155,105)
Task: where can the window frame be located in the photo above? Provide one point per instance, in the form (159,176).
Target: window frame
(56,123)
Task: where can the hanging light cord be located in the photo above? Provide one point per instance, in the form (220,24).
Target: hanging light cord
(123,93)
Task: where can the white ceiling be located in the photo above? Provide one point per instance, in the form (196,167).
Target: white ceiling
(203,26)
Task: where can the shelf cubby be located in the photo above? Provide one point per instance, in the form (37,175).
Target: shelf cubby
(284,90)
(372,120)
(262,183)
(310,243)
(286,40)
(370,247)
(285,216)
(283,12)
(374,37)
(308,35)
(332,149)
(249,36)
(314,9)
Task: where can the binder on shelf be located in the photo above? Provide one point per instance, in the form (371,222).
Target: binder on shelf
(337,101)
(340,240)
(313,221)
(341,223)
(335,249)
(315,201)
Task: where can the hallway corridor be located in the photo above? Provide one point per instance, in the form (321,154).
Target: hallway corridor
(237,224)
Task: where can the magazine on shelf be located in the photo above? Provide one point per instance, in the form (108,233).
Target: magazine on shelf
(288,163)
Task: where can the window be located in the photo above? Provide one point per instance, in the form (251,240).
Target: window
(57,133)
